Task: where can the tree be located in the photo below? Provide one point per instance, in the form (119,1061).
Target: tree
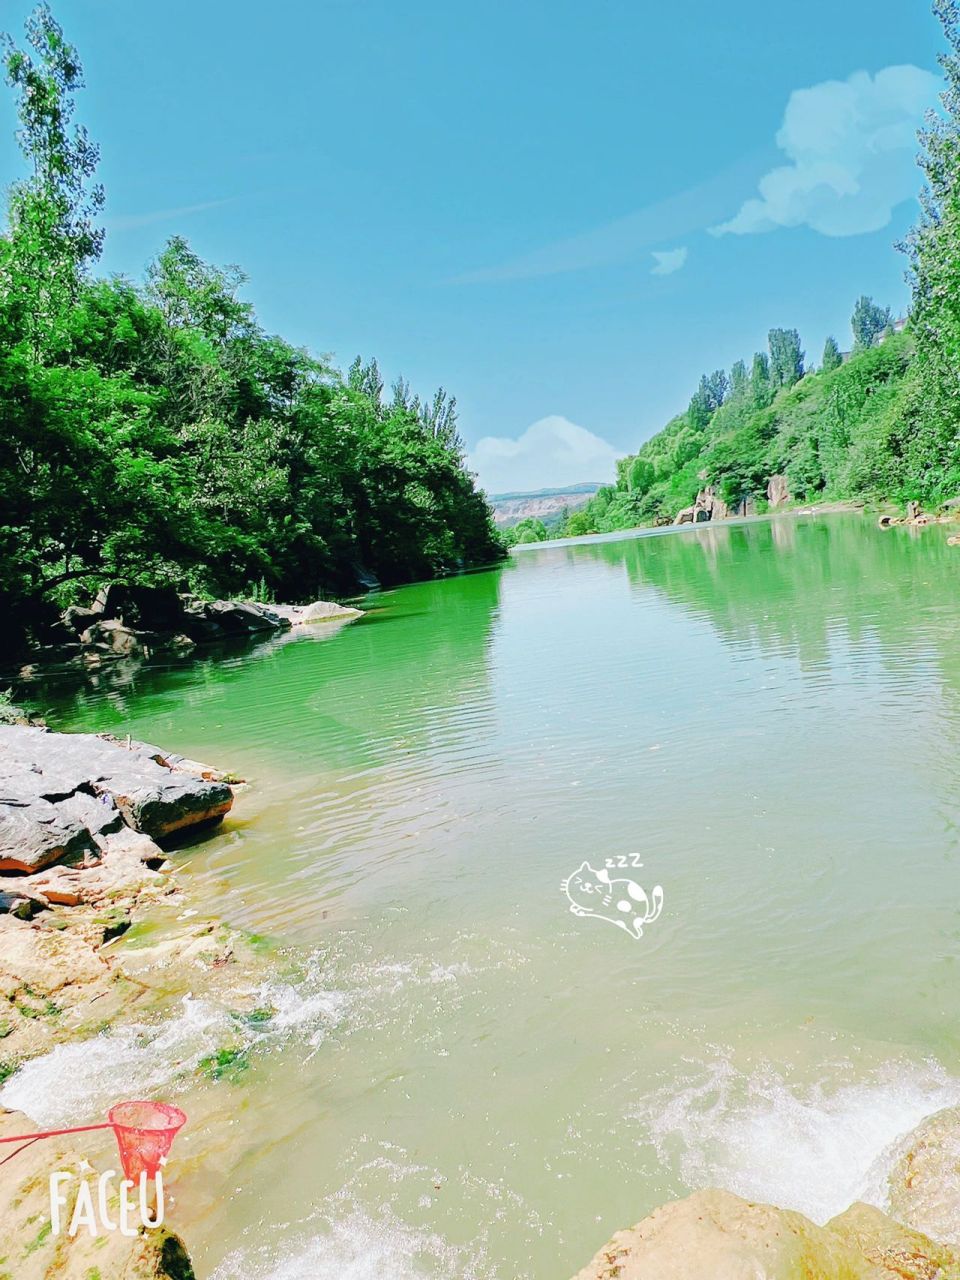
(53,235)
(641,476)
(832,359)
(868,322)
(761,390)
(739,381)
(530,530)
(708,397)
(786,357)
(930,436)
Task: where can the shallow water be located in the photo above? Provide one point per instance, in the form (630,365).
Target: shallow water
(463,1079)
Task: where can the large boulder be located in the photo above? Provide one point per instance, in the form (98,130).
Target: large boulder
(239,617)
(924,1185)
(708,506)
(60,793)
(714,1235)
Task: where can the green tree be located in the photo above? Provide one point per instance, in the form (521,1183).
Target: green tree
(739,381)
(786,357)
(53,236)
(929,438)
(761,389)
(832,359)
(641,476)
(868,322)
(530,530)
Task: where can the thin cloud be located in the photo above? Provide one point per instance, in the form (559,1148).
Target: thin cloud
(851,146)
(678,215)
(127,222)
(669,261)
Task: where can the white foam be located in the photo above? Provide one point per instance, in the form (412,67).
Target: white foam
(77,1081)
(813,1148)
(356,1246)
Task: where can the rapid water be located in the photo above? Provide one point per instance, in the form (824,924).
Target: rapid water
(461,1079)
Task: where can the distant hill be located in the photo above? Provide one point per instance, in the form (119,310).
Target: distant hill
(548,505)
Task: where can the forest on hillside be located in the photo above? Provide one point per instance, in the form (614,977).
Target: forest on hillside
(154,433)
(880,422)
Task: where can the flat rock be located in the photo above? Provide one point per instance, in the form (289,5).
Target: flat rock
(35,834)
(319,611)
(45,960)
(54,787)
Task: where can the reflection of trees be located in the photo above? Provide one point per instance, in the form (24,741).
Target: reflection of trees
(791,583)
(417,654)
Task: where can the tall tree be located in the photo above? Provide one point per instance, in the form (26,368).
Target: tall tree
(53,232)
(761,390)
(832,359)
(786,357)
(930,441)
(739,380)
(868,322)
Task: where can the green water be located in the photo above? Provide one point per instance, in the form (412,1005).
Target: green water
(472,1081)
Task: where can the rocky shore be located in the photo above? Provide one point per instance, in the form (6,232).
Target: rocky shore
(126,620)
(714,1235)
(80,821)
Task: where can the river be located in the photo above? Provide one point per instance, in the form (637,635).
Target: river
(460,1077)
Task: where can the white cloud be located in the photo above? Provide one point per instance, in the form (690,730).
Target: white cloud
(852,146)
(551,453)
(668,262)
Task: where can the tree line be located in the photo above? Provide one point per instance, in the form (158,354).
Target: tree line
(154,432)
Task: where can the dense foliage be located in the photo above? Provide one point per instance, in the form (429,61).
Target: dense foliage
(835,433)
(157,434)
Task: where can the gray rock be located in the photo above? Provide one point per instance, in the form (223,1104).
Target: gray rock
(237,617)
(319,611)
(15,904)
(60,794)
(34,835)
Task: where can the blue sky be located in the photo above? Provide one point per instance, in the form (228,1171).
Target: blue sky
(563,212)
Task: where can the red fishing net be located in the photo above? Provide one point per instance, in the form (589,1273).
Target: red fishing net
(145,1133)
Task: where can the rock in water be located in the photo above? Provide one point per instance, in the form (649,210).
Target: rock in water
(924,1185)
(62,794)
(714,1235)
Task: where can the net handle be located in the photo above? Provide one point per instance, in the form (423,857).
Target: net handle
(54,1133)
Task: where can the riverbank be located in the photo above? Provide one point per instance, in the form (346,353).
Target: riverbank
(84,824)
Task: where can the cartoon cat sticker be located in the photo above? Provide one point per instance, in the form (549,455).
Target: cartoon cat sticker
(620,902)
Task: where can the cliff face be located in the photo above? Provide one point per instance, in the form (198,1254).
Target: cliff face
(509,508)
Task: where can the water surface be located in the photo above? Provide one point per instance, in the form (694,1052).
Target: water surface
(465,1080)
